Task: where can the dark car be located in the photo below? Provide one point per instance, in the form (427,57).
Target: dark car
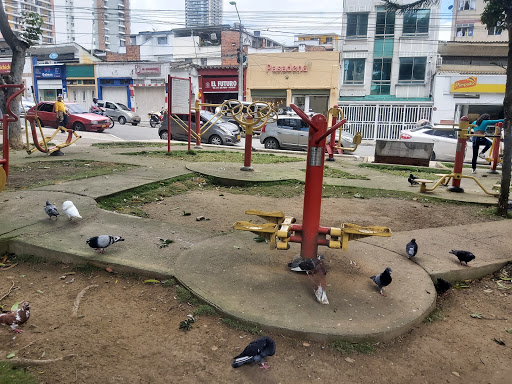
(79,118)
(220,133)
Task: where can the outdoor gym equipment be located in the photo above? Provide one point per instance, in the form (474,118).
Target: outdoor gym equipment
(456,176)
(496,152)
(281,229)
(331,146)
(8,117)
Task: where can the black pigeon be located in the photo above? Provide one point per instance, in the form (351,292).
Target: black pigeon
(101,242)
(301,264)
(442,286)
(412,179)
(463,256)
(51,210)
(256,351)
(383,280)
(411,248)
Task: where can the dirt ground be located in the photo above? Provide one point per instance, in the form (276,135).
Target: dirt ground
(127,331)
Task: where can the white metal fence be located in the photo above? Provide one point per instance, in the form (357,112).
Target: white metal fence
(383,121)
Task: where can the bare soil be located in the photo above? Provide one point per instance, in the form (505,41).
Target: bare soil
(127,331)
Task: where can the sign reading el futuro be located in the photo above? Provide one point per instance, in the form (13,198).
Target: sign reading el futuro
(286,68)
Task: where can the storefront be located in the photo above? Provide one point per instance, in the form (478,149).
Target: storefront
(50,81)
(218,83)
(306,79)
(81,83)
(149,88)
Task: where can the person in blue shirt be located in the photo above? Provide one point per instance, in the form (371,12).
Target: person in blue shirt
(481,126)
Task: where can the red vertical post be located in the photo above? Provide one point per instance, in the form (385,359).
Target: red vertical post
(5,141)
(313,188)
(169,111)
(198,125)
(248,145)
(332,143)
(496,147)
(459,154)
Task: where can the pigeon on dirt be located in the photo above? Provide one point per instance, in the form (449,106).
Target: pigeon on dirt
(51,210)
(17,317)
(412,179)
(256,351)
(99,243)
(382,280)
(442,286)
(463,256)
(70,210)
(411,248)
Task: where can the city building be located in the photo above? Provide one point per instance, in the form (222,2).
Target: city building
(203,13)
(467,25)
(14,10)
(388,65)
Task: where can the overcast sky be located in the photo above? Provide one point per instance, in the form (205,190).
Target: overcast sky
(277,19)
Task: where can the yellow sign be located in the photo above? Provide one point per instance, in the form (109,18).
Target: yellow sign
(471,85)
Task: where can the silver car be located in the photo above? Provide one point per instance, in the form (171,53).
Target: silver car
(292,132)
(119,112)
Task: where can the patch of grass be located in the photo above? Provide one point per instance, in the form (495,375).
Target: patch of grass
(128,144)
(185,296)
(28,259)
(406,170)
(252,329)
(11,375)
(450,165)
(205,310)
(347,347)
(435,315)
(339,174)
(171,282)
(86,269)
(217,156)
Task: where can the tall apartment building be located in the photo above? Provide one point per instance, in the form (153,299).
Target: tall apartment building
(467,25)
(15,9)
(203,12)
(94,24)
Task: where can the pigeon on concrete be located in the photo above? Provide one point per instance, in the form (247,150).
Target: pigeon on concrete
(411,248)
(99,243)
(442,286)
(463,256)
(256,351)
(70,210)
(315,269)
(51,210)
(303,264)
(383,280)
(412,179)
(17,317)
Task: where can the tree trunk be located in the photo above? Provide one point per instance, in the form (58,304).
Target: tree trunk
(507,127)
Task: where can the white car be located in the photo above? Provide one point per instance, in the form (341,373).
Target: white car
(27,104)
(444,139)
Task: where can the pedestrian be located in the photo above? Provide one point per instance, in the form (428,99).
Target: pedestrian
(62,112)
(481,127)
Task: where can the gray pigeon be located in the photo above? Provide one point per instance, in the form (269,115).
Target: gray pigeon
(51,210)
(99,243)
(382,280)
(411,248)
(301,264)
(256,351)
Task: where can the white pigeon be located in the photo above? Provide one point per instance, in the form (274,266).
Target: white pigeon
(69,209)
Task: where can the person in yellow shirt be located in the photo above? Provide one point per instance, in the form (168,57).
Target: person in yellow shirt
(62,112)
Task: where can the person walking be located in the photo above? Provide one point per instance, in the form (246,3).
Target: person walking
(481,127)
(62,113)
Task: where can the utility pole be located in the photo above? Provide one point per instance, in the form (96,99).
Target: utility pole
(240,58)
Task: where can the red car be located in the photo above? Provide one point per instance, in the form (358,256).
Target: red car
(79,118)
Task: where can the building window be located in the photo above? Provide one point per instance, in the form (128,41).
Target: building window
(162,40)
(204,61)
(385,23)
(496,31)
(133,40)
(354,71)
(381,77)
(467,5)
(328,40)
(357,24)
(416,22)
(464,30)
(412,69)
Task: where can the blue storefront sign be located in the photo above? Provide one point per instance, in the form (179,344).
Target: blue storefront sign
(48,72)
(49,81)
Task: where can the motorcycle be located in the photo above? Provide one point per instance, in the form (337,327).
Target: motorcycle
(156,119)
(101,111)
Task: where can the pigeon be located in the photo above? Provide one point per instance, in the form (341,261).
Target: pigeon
(442,286)
(411,248)
(463,256)
(69,209)
(256,351)
(315,269)
(17,317)
(301,264)
(383,280)
(412,179)
(101,242)
(51,210)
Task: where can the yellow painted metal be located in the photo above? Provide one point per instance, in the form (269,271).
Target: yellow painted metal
(354,231)
(276,217)
(3,178)
(336,244)
(46,139)
(335,232)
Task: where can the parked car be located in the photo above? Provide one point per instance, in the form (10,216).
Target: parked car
(221,133)
(119,112)
(444,139)
(27,104)
(292,132)
(79,118)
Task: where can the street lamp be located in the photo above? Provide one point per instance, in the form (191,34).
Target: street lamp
(240,58)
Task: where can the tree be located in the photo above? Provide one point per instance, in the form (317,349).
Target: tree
(19,43)
(497,14)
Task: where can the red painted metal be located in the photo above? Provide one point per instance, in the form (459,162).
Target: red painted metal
(459,155)
(496,149)
(332,142)
(248,142)
(8,117)
(198,128)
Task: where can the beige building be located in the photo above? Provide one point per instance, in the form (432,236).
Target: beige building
(467,25)
(306,79)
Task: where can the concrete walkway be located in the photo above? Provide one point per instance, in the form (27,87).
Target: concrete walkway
(245,279)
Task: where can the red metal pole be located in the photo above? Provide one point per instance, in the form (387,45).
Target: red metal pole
(5,141)
(333,140)
(496,149)
(459,155)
